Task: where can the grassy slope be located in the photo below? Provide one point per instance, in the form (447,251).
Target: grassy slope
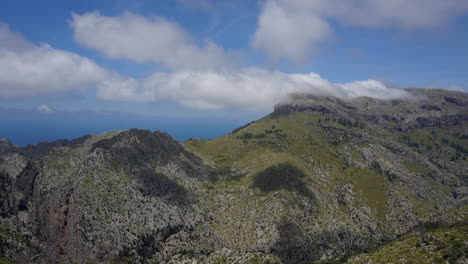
(304,140)
(301,140)
(299,137)
(444,245)
(303,137)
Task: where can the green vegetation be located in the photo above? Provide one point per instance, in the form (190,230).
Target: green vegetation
(4,261)
(281,176)
(220,260)
(302,141)
(416,167)
(122,260)
(408,141)
(373,189)
(240,128)
(248,135)
(444,245)
(448,144)
(344,122)
(266,259)
(282,151)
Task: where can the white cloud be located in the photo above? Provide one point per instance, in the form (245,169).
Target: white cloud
(144,39)
(372,88)
(252,88)
(454,87)
(28,70)
(405,14)
(11,40)
(200,78)
(37,70)
(292,29)
(45,109)
(283,33)
(122,88)
(45,70)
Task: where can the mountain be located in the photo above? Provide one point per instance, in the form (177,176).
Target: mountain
(319,179)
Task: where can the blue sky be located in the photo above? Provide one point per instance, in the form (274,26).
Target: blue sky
(198,68)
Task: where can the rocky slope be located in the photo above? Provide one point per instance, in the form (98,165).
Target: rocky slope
(318,179)
(443,245)
(116,195)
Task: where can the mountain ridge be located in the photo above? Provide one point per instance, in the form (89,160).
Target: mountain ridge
(317,179)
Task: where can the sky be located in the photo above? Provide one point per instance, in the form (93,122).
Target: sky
(199,68)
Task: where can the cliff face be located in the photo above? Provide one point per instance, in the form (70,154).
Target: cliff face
(110,196)
(318,178)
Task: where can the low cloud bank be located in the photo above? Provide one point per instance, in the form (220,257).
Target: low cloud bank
(252,88)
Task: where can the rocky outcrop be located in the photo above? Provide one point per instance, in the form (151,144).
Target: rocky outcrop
(128,195)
